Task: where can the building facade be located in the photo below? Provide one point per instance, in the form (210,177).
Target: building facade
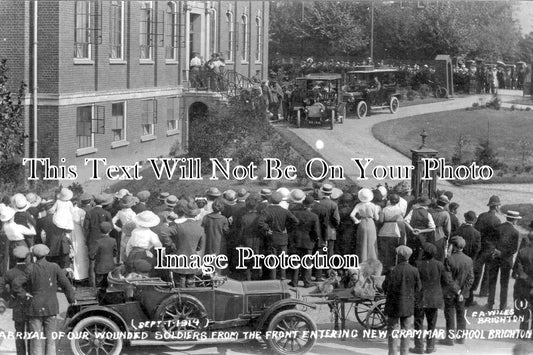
(110,78)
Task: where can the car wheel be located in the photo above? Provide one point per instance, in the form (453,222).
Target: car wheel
(362,109)
(96,343)
(394,104)
(376,319)
(299,326)
(179,314)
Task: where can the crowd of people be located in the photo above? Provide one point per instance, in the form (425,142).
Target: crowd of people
(428,258)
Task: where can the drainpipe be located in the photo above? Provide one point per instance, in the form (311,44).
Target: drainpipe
(35,88)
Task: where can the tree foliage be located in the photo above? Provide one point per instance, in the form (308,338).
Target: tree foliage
(459,28)
(11,129)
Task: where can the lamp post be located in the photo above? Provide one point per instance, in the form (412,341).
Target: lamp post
(372,31)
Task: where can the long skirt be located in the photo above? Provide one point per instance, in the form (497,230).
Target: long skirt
(366,240)
(80,264)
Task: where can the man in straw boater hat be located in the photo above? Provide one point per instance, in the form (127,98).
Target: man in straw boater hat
(265,197)
(43,278)
(14,283)
(401,285)
(485,224)
(504,245)
(461,272)
(188,239)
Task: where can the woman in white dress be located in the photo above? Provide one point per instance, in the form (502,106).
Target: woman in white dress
(365,213)
(80,262)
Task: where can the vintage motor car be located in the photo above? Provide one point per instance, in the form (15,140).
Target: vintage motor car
(316,100)
(153,309)
(361,92)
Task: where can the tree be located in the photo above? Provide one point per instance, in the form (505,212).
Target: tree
(11,129)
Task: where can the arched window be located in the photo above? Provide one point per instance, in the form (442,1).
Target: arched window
(259,39)
(231,35)
(245,38)
(171,43)
(213,31)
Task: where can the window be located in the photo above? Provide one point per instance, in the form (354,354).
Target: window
(213,31)
(149,116)
(89,120)
(145,33)
(116,30)
(172,113)
(118,122)
(245,38)
(231,35)
(259,39)
(82,32)
(171,49)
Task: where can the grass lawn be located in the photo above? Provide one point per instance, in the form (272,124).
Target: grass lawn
(504,128)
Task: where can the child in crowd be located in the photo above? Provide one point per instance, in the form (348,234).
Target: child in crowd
(104,255)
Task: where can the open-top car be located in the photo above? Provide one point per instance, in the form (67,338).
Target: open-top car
(368,88)
(316,100)
(152,309)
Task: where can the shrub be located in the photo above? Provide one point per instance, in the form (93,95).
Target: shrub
(424,91)
(528,108)
(486,155)
(411,94)
(475,105)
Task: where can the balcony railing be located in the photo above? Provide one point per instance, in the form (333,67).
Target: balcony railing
(228,83)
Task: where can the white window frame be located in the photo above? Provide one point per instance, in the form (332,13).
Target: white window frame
(146,6)
(120,56)
(259,39)
(231,36)
(172,38)
(213,31)
(87,41)
(145,117)
(123,141)
(175,115)
(245,38)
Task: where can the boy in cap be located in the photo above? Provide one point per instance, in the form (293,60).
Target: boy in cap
(472,248)
(461,276)
(103,255)
(401,285)
(43,278)
(14,283)
(504,245)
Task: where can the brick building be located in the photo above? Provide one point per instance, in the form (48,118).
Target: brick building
(112,76)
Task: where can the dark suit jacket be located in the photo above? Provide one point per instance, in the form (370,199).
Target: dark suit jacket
(401,285)
(91,224)
(433,277)
(507,241)
(461,274)
(523,272)
(276,219)
(55,236)
(328,214)
(42,280)
(103,253)
(188,238)
(307,232)
(472,238)
(485,224)
(15,280)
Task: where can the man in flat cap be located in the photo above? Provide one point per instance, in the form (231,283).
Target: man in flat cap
(401,285)
(503,246)
(461,276)
(42,279)
(472,248)
(14,286)
(485,224)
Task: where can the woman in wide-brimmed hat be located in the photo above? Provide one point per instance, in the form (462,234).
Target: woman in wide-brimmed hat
(63,210)
(122,217)
(22,215)
(142,240)
(80,259)
(365,214)
(14,232)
